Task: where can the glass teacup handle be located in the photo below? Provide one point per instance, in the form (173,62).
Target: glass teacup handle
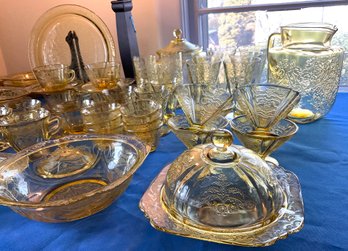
(54,125)
(3,135)
(71,75)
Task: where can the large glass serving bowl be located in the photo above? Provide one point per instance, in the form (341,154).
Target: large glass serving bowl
(262,142)
(46,183)
(265,104)
(201,102)
(191,136)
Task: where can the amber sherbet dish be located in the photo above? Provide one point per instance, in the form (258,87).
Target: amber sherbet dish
(192,136)
(47,183)
(225,194)
(201,102)
(262,142)
(265,105)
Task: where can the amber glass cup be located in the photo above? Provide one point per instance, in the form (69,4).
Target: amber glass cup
(143,118)
(26,128)
(54,77)
(102,117)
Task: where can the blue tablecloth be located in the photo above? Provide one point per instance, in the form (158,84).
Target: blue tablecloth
(318,154)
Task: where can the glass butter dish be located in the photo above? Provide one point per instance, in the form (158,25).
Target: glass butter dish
(225,193)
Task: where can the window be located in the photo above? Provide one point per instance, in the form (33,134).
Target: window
(222,23)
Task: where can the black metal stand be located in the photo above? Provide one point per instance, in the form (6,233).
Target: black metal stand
(76,59)
(126,33)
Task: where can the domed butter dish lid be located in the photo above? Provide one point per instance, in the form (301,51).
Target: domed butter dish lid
(222,186)
(225,193)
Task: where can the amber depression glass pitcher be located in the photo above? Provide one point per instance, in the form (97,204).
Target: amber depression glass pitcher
(306,62)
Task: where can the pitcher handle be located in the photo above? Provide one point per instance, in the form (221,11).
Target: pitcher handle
(271,39)
(54,125)
(270,44)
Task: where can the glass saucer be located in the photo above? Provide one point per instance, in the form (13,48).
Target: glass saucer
(41,90)
(10,94)
(290,221)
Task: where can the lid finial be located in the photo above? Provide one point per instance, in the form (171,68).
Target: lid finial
(177,33)
(221,139)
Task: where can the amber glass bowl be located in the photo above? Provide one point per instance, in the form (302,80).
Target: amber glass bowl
(191,136)
(260,141)
(46,182)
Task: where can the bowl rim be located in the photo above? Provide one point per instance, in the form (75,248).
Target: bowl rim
(128,139)
(290,122)
(190,128)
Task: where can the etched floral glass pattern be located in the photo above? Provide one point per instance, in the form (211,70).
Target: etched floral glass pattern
(306,62)
(4,111)
(168,70)
(244,65)
(316,77)
(205,193)
(266,105)
(204,68)
(201,103)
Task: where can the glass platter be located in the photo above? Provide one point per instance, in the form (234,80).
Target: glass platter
(47,43)
(290,221)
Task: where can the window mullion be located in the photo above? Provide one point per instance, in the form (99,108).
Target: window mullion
(203,25)
(190,20)
(271,7)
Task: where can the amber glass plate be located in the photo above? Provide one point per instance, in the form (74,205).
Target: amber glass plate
(290,221)
(47,43)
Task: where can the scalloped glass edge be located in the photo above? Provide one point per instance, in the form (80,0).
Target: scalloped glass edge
(291,221)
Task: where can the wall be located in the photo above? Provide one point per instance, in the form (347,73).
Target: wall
(154,21)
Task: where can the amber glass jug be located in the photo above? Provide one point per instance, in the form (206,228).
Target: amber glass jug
(302,58)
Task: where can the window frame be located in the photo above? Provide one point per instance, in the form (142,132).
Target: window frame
(195,14)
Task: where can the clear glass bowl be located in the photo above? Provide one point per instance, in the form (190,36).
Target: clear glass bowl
(191,136)
(260,141)
(49,182)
